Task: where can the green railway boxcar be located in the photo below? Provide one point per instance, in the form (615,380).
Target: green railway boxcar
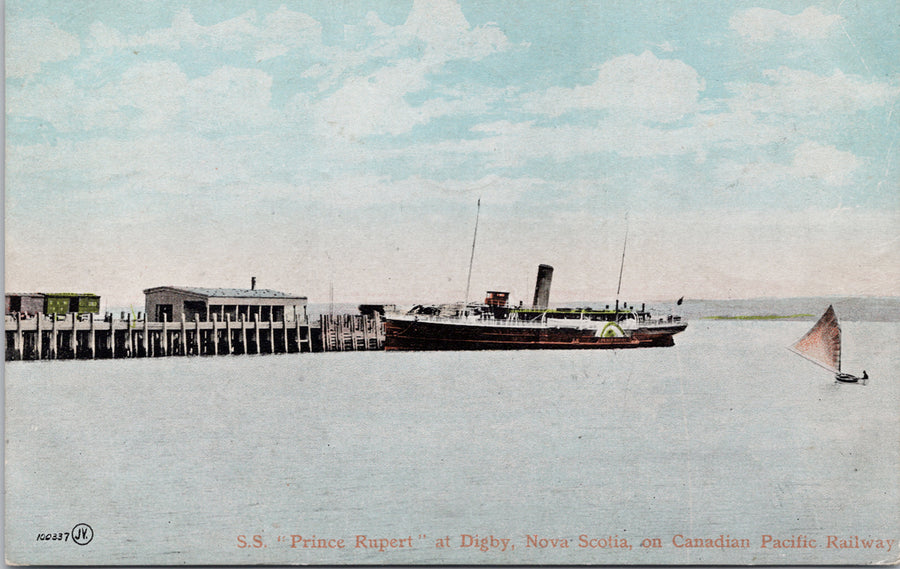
(88,303)
(66,302)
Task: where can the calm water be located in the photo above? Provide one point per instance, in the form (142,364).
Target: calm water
(727,433)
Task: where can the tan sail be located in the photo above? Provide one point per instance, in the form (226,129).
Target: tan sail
(822,344)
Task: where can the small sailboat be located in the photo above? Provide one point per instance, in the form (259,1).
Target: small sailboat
(822,346)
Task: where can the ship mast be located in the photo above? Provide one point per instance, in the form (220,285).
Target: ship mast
(621,267)
(472,256)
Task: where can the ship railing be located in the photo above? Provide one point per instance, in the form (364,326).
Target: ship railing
(662,321)
(512,323)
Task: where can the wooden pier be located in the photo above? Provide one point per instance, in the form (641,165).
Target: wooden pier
(88,337)
(351,332)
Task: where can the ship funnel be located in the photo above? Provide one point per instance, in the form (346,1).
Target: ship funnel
(542,287)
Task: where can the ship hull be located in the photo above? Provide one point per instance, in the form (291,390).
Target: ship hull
(406,334)
(660,333)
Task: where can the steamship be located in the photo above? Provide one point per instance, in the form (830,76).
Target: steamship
(495,325)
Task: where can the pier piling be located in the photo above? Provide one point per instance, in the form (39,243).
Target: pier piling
(51,337)
(351,332)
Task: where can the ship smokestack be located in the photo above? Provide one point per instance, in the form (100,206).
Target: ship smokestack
(542,287)
(252,283)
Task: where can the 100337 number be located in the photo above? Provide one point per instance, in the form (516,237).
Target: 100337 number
(60,536)
(81,534)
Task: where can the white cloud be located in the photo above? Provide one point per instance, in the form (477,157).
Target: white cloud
(104,37)
(706,132)
(33,42)
(799,92)
(159,92)
(638,87)
(812,162)
(358,191)
(229,35)
(376,103)
(278,33)
(763,25)
(826,163)
(228,97)
(157,162)
(157,89)
(68,106)
(666,47)
(512,144)
(291,29)
(443,27)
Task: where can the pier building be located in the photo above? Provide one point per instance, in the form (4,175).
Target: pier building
(25,303)
(171,303)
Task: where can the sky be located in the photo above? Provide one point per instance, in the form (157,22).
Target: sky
(339,149)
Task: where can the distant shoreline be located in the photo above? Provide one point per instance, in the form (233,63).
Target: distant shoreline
(761,317)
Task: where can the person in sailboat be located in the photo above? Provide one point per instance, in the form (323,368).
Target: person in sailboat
(850,378)
(822,346)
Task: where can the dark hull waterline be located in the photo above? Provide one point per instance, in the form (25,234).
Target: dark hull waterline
(425,335)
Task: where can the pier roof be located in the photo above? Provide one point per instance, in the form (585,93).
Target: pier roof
(71,294)
(229,292)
